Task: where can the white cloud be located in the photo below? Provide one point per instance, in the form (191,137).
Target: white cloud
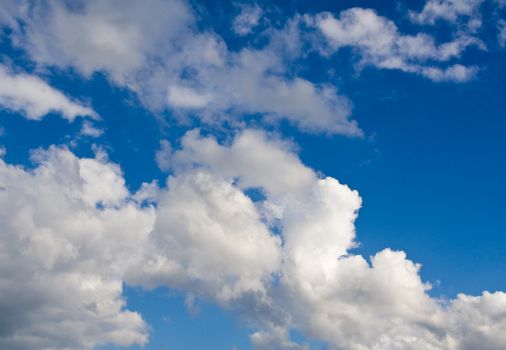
(252,82)
(73,234)
(207,240)
(90,130)
(93,36)
(457,72)
(448,10)
(155,49)
(276,338)
(379,43)
(62,258)
(183,97)
(247,19)
(324,290)
(251,158)
(34,98)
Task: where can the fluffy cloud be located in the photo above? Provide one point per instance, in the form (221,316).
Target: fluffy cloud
(155,49)
(249,159)
(73,234)
(324,290)
(91,36)
(69,230)
(207,240)
(34,98)
(223,85)
(379,43)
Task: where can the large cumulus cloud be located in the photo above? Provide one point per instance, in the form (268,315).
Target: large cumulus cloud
(72,234)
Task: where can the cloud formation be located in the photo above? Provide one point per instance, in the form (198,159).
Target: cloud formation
(324,289)
(34,98)
(156,49)
(379,43)
(240,222)
(448,10)
(71,228)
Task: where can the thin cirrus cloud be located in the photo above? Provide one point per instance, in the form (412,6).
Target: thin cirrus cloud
(207,246)
(34,98)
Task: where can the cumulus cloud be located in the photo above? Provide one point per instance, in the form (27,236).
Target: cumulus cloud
(379,43)
(283,259)
(34,98)
(323,289)
(69,230)
(207,240)
(73,234)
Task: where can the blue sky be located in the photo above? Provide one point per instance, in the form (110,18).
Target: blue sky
(252,175)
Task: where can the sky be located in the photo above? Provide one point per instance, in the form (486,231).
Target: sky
(179,174)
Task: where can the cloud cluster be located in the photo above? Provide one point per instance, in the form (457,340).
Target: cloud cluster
(282,259)
(240,222)
(157,49)
(378,42)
